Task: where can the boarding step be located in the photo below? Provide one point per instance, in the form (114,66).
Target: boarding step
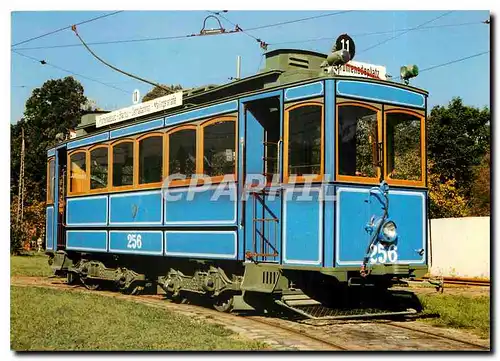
(313,309)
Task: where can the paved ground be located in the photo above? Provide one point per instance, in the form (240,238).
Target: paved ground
(286,335)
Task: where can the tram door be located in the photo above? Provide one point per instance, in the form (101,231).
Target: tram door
(262,176)
(61,198)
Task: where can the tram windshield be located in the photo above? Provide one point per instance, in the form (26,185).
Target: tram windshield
(372,141)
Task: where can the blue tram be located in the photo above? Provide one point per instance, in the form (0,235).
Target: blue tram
(294,180)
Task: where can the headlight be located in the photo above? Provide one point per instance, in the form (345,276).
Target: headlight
(389,231)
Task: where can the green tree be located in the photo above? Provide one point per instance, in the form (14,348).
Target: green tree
(157,92)
(55,107)
(458,138)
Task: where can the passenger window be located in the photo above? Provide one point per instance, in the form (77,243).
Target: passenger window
(182,152)
(357,141)
(78,173)
(404,150)
(305,140)
(50,181)
(123,164)
(219,156)
(150,159)
(99,168)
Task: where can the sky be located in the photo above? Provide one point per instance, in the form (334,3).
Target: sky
(197,61)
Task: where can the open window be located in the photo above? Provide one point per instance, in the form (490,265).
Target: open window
(123,164)
(303,142)
(150,159)
(404,147)
(219,148)
(181,150)
(51,164)
(77,173)
(99,168)
(358,143)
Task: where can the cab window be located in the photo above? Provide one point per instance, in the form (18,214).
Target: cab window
(357,141)
(404,146)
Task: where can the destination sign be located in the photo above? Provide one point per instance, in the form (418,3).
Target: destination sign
(138,110)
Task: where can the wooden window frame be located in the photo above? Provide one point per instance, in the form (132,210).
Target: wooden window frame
(201,144)
(50,200)
(354,178)
(134,170)
(99,190)
(138,139)
(166,151)
(303,179)
(87,172)
(403,182)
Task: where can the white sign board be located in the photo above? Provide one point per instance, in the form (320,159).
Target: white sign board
(363,70)
(138,110)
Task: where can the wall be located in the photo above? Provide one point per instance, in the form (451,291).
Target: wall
(461,247)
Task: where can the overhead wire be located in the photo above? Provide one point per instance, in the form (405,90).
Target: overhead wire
(65,28)
(44,62)
(450,62)
(262,43)
(405,32)
(178,36)
(379,32)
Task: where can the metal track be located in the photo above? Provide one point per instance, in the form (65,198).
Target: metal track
(437,335)
(302,334)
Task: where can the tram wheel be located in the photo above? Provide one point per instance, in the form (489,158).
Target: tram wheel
(223,303)
(91,285)
(71,278)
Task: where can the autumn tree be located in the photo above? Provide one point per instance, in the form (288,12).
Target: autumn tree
(480,202)
(157,92)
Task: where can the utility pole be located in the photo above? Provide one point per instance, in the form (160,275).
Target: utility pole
(20,197)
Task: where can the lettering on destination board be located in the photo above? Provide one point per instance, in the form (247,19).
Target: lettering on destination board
(363,70)
(138,110)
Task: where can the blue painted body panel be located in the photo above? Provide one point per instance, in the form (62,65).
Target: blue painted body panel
(304,91)
(87,240)
(329,130)
(49,227)
(302,227)
(201,244)
(87,211)
(137,128)
(136,209)
(254,145)
(380,92)
(87,141)
(51,152)
(406,209)
(329,225)
(202,113)
(141,242)
(205,208)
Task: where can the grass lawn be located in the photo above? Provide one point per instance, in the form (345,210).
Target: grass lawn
(459,311)
(30,265)
(45,319)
